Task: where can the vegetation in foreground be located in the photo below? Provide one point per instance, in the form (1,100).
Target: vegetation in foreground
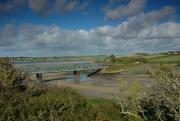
(35,103)
(45,105)
(159,102)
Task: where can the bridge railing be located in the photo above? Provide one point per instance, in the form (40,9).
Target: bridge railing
(45,68)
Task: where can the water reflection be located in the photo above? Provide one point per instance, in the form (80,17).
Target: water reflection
(68,79)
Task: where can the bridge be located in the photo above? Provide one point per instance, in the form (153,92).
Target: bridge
(76,67)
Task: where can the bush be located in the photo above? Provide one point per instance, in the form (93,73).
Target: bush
(161,102)
(9,76)
(39,104)
(128,101)
(48,104)
(158,102)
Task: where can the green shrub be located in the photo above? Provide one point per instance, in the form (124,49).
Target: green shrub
(53,104)
(9,76)
(128,100)
(158,102)
(162,99)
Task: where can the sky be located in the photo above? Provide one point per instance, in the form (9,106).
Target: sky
(88,27)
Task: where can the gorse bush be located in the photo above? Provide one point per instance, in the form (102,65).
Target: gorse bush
(51,104)
(128,100)
(9,76)
(162,99)
(158,102)
(163,73)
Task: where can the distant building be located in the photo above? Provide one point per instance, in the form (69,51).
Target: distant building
(176,52)
(172,53)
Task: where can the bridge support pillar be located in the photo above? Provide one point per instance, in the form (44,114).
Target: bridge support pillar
(39,77)
(77,77)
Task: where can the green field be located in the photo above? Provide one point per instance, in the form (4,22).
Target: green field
(120,67)
(166,59)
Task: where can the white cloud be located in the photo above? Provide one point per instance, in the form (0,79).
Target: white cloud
(151,32)
(132,8)
(46,7)
(7,35)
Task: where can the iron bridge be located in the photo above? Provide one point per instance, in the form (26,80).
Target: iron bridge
(57,67)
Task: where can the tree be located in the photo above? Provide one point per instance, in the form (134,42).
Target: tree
(112,58)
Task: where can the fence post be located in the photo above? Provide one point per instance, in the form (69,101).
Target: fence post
(77,77)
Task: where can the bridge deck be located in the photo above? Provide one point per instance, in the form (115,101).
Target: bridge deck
(55,67)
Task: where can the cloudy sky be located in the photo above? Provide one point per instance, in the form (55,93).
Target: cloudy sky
(80,27)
